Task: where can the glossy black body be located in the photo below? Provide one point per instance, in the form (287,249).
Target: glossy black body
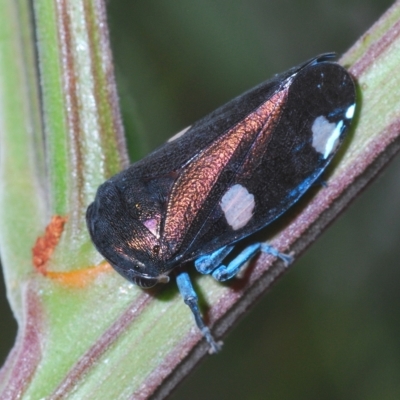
(276,168)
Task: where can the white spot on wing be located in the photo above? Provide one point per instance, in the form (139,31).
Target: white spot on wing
(350,111)
(238,205)
(325,135)
(179,134)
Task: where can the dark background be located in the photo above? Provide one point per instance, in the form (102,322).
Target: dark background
(330,329)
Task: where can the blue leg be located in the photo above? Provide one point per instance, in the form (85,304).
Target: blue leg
(225,272)
(207,264)
(320,181)
(190,298)
(286,258)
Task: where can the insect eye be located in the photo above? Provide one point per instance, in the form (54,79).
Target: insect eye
(145,283)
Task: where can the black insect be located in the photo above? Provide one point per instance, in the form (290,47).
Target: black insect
(225,177)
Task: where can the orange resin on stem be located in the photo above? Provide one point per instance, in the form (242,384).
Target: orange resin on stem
(44,248)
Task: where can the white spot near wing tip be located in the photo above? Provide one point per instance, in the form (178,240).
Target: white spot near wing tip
(333,139)
(238,205)
(350,111)
(179,134)
(325,135)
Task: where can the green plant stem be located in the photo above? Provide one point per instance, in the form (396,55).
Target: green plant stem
(109,339)
(22,166)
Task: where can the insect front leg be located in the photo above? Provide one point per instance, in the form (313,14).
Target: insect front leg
(225,272)
(190,298)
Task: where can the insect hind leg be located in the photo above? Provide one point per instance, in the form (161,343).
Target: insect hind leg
(207,264)
(225,272)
